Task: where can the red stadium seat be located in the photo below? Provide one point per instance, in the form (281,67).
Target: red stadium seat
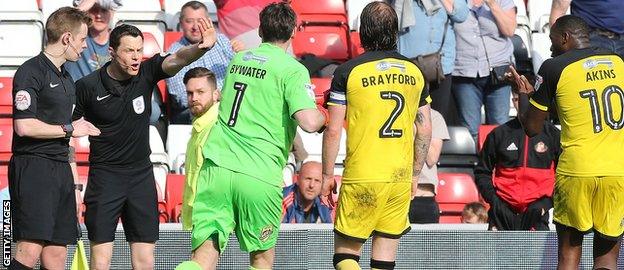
(83,174)
(173,193)
(162,88)
(321,87)
(6,96)
(163,214)
(81,145)
(328,40)
(176,214)
(450,219)
(83,177)
(4,178)
(170,38)
(335,7)
(6,139)
(356,44)
(150,45)
(484,130)
(322,29)
(455,190)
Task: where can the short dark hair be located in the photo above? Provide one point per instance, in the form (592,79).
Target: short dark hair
(65,19)
(574,25)
(195,5)
(122,31)
(379,27)
(199,72)
(277,21)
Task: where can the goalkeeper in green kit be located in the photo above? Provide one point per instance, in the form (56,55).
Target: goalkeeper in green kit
(266,94)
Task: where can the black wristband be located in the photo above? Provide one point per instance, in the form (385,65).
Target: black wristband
(68,129)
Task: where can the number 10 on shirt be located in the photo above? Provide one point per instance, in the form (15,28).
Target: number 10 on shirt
(238,99)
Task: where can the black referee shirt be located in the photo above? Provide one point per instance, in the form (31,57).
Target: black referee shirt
(42,92)
(121,110)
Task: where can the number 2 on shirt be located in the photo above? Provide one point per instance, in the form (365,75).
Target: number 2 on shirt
(386,131)
(238,99)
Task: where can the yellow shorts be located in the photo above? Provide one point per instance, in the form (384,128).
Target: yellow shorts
(373,208)
(586,203)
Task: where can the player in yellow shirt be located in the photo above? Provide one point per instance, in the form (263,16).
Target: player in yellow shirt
(388,135)
(203,103)
(585,85)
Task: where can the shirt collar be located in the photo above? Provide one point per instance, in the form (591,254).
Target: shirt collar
(201,123)
(271,46)
(51,65)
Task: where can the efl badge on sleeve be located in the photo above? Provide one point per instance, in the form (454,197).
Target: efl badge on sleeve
(139,105)
(22,100)
(538,82)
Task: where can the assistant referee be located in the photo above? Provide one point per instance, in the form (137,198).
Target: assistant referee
(117,99)
(40,179)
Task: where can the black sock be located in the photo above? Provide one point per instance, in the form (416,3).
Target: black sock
(382,264)
(16,265)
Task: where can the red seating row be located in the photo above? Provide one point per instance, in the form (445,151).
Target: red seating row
(455,190)
(322,30)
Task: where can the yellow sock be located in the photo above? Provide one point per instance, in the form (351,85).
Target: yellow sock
(348,264)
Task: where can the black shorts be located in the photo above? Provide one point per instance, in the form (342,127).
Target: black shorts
(43,201)
(127,193)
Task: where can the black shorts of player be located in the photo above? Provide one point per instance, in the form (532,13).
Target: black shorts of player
(43,201)
(127,193)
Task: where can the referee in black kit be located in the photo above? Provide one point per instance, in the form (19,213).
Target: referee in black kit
(117,99)
(41,184)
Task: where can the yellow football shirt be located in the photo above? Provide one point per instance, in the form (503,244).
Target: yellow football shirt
(382,92)
(586,88)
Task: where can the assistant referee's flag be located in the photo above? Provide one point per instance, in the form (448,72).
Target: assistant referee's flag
(80,262)
(80,258)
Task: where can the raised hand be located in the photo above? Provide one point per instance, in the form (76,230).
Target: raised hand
(86,5)
(208,33)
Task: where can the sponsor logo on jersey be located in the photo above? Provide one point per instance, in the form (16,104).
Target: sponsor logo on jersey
(385,65)
(594,62)
(249,56)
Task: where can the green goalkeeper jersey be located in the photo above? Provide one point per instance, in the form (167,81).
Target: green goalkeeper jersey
(263,89)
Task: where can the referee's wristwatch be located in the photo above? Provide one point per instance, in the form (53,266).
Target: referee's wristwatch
(68,129)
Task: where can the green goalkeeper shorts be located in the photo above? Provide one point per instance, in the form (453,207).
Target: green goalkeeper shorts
(228,201)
